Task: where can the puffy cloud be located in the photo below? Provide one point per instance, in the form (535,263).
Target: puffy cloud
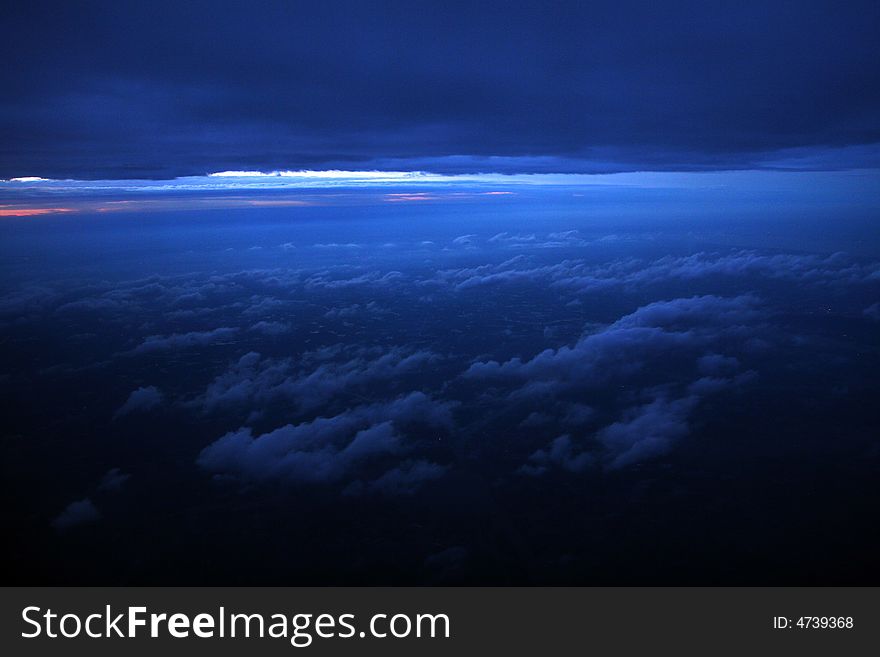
(657,349)
(559,239)
(625,346)
(566,238)
(569,414)
(330,449)
(77,513)
(561,453)
(113,480)
(325,280)
(511,270)
(464,240)
(643,432)
(271,328)
(353,310)
(804,268)
(254,381)
(650,430)
(175,341)
(581,276)
(141,400)
(507,239)
(376,439)
(406,478)
(646,431)
(691,312)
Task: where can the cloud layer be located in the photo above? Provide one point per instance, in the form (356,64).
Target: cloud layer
(451,87)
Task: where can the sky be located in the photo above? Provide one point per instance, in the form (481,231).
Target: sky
(108,90)
(415,292)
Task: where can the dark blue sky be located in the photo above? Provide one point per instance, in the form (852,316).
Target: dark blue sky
(162,89)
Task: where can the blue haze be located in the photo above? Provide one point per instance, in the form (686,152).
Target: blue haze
(567,383)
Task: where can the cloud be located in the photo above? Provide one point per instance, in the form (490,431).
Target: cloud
(355,309)
(558,239)
(113,480)
(579,276)
(175,341)
(328,449)
(254,381)
(91,305)
(324,280)
(406,478)
(82,512)
(644,432)
(566,238)
(647,431)
(655,352)
(626,345)
(560,453)
(651,430)
(568,414)
(217,113)
(464,240)
(507,239)
(836,269)
(141,400)
(271,328)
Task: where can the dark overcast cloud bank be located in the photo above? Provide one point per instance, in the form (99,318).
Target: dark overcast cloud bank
(514,389)
(161,89)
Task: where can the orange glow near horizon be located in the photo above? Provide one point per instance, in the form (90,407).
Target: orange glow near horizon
(31,212)
(214,202)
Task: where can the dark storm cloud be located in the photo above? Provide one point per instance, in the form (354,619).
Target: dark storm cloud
(168,88)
